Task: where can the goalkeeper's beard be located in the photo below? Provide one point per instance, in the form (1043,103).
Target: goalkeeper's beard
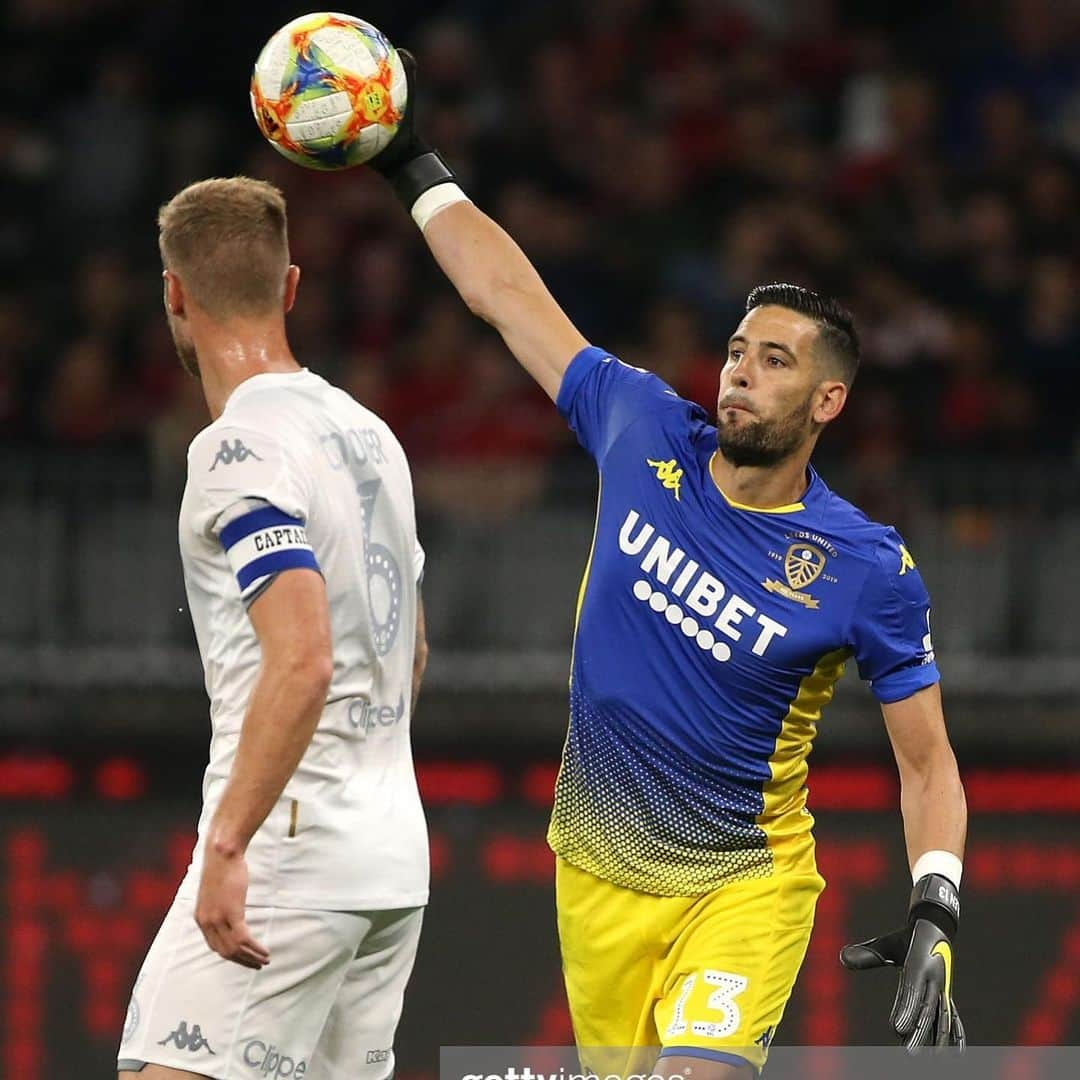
(764,442)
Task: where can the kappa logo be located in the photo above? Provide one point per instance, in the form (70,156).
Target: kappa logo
(906,561)
(668,473)
(765,1038)
(192,1040)
(237,452)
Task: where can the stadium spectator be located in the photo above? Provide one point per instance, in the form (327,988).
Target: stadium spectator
(82,404)
(655,164)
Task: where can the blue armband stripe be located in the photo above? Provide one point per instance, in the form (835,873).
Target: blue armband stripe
(276,561)
(263,518)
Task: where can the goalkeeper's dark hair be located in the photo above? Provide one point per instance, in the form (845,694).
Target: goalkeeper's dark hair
(838,340)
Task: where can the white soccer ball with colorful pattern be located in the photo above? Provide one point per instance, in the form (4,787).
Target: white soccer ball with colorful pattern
(328,91)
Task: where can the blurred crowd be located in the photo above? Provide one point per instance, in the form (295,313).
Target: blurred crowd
(655,159)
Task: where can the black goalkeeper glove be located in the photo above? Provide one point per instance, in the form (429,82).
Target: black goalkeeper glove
(409,164)
(924,1013)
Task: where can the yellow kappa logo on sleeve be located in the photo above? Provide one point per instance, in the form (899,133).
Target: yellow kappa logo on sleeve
(906,561)
(668,473)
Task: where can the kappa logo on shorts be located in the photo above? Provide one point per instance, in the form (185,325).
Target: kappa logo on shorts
(192,1040)
(237,452)
(765,1038)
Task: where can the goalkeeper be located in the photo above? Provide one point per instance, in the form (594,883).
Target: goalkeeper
(726,587)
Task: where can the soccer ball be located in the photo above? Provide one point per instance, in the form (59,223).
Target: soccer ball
(328,91)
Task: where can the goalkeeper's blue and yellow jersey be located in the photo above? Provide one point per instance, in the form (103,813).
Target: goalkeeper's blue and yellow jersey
(709,637)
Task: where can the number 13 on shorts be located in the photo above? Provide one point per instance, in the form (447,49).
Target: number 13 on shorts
(712,1013)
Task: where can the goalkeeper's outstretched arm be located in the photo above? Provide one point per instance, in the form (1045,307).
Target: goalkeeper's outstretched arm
(498,283)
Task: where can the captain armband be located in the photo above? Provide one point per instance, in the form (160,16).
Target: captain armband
(261,544)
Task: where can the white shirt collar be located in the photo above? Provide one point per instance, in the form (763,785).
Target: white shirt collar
(265,380)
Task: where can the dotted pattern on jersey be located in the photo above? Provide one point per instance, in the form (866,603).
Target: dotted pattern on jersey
(647,816)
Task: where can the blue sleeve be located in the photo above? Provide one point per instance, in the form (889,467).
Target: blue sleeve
(891,626)
(600,397)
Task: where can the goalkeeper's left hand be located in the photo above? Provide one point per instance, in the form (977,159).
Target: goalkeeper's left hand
(924,1013)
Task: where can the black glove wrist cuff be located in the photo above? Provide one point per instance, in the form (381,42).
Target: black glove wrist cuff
(419,174)
(936,899)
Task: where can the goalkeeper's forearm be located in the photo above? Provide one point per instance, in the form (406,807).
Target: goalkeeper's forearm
(933,807)
(498,283)
(482,261)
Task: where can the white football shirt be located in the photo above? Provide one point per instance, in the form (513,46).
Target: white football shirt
(296,473)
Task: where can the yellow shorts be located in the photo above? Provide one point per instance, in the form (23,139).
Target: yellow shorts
(696,976)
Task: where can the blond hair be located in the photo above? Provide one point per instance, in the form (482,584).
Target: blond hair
(227,241)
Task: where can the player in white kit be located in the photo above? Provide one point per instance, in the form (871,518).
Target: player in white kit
(290,941)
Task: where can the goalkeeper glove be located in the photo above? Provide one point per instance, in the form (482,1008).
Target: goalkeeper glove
(409,164)
(924,1013)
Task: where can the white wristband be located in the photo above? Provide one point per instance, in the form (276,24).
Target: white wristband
(435,200)
(944,863)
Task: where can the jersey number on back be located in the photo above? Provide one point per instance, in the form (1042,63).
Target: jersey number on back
(383,575)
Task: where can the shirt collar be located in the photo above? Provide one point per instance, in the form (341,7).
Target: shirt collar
(265,380)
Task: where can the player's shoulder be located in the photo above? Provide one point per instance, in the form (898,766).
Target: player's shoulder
(232,439)
(665,407)
(878,546)
(611,404)
(843,516)
(361,429)
(266,409)
(257,431)
(614,375)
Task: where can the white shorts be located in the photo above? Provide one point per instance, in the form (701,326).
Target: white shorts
(325,1008)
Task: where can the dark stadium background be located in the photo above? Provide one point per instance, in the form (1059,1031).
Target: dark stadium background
(656,160)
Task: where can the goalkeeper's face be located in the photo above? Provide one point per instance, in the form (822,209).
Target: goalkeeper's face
(769,405)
